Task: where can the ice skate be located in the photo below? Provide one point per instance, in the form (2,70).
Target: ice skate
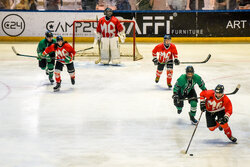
(157,79)
(57,87)
(193,120)
(72,81)
(233,139)
(179,111)
(170,86)
(51,80)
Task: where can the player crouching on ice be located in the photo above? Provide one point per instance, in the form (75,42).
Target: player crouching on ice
(218,109)
(167,52)
(48,62)
(108,29)
(64,55)
(184,88)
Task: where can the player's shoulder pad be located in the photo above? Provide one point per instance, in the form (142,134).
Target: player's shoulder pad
(225,97)
(182,77)
(196,76)
(172,45)
(54,40)
(42,41)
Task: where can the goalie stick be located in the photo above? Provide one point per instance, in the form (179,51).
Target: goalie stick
(99,48)
(18,54)
(198,62)
(232,93)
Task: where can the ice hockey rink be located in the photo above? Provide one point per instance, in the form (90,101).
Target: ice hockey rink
(117,116)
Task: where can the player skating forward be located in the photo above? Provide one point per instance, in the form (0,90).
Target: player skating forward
(184,88)
(108,29)
(167,53)
(218,109)
(65,54)
(48,62)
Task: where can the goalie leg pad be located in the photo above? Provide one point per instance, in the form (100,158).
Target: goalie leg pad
(114,50)
(105,50)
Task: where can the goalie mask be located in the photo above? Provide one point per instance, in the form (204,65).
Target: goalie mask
(108,12)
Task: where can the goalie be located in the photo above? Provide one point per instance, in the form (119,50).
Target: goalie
(108,30)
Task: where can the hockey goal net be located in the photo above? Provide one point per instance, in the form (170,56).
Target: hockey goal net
(83,39)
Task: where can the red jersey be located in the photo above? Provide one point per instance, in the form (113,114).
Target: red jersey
(61,52)
(215,105)
(109,28)
(165,54)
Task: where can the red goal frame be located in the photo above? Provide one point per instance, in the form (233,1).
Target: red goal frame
(92,21)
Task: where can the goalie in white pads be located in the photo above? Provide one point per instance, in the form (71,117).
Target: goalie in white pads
(108,30)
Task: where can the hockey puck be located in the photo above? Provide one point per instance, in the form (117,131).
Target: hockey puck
(191,154)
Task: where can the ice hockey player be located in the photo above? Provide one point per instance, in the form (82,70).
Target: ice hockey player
(46,63)
(218,109)
(64,55)
(184,88)
(108,30)
(167,56)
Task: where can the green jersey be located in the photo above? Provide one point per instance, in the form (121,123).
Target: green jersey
(185,86)
(43,44)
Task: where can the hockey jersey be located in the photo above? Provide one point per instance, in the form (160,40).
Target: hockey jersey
(215,105)
(165,54)
(109,28)
(61,52)
(185,86)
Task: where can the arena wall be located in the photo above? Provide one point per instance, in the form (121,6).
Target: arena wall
(184,26)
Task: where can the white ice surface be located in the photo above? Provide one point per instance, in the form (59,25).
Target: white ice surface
(118,116)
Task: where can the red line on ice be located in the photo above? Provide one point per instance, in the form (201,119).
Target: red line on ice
(8,88)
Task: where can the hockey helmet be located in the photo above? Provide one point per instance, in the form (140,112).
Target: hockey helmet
(219,89)
(189,69)
(48,34)
(108,12)
(167,37)
(59,38)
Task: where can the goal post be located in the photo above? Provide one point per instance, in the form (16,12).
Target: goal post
(127,49)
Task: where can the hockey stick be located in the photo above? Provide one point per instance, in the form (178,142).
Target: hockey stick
(232,93)
(84,49)
(185,152)
(197,62)
(18,54)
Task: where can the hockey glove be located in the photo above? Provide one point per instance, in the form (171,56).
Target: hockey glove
(175,96)
(203,106)
(223,120)
(67,59)
(48,58)
(155,61)
(176,62)
(39,57)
